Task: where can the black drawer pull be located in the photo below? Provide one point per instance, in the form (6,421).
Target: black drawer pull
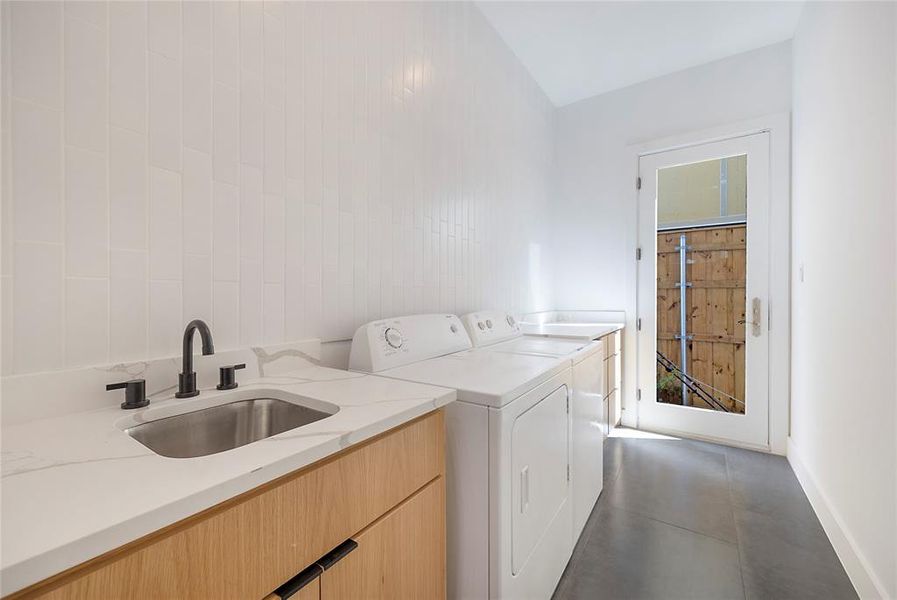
(337,554)
(298,582)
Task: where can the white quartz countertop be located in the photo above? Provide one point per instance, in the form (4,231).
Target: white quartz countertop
(77,486)
(585,331)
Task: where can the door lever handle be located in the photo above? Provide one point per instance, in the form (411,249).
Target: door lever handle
(755,318)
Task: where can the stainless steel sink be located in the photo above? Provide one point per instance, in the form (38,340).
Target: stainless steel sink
(222,427)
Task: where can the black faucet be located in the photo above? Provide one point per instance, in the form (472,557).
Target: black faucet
(187,379)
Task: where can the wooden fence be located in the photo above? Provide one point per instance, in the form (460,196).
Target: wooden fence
(715,303)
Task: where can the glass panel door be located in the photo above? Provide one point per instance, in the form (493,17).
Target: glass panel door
(702,290)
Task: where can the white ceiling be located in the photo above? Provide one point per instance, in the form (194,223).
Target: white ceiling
(575,50)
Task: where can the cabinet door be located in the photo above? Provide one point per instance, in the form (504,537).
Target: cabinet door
(589,426)
(400,556)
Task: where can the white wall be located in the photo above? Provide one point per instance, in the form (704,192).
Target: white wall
(844,411)
(283,170)
(594,237)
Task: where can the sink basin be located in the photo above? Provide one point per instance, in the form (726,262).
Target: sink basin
(223,427)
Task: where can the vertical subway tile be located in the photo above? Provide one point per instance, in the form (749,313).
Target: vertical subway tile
(86,214)
(164,112)
(226,133)
(250,302)
(251,36)
(312,250)
(164,31)
(197,104)
(273,328)
(7,225)
(294,91)
(226,42)
(274,149)
(197,287)
(127,64)
(165,225)
(293,275)
(197,202)
(127,305)
(226,313)
(92,11)
(313,311)
(274,7)
(274,231)
(86,322)
(166,324)
(7,326)
(127,190)
(85,85)
(37,52)
(274,59)
(251,213)
(252,114)
(197,18)
(36,163)
(37,307)
(226,232)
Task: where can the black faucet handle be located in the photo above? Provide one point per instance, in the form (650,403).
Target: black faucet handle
(227,376)
(135,393)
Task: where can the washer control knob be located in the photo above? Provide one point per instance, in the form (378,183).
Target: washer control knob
(481,325)
(510,320)
(394,337)
(489,323)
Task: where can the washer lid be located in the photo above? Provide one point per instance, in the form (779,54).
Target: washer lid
(486,378)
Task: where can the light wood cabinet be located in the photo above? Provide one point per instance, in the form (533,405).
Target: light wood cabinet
(381,491)
(395,557)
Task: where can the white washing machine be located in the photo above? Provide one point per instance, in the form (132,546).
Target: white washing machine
(509,498)
(498,331)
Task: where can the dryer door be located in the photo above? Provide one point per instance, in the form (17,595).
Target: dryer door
(539,449)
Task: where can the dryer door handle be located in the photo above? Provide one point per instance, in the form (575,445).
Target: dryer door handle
(524,489)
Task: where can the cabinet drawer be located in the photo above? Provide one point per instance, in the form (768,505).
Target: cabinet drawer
(249,545)
(400,556)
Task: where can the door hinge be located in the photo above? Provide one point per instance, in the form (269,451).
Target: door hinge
(568,471)
(638,324)
(568,404)
(638,254)
(638,394)
(638,183)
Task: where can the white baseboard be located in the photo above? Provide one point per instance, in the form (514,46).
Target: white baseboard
(861,575)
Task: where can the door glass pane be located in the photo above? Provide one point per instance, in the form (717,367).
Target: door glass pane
(701,267)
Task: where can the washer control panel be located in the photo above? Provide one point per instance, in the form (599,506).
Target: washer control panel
(490,327)
(390,343)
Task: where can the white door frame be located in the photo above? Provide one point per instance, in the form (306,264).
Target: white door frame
(779,127)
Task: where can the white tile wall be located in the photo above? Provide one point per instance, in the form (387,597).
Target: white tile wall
(283,170)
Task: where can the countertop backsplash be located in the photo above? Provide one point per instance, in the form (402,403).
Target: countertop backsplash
(54,393)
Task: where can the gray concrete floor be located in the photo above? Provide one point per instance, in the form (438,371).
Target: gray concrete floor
(687,519)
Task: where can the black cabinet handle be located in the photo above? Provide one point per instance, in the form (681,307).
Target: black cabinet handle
(135,393)
(298,582)
(314,571)
(337,554)
(227,376)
